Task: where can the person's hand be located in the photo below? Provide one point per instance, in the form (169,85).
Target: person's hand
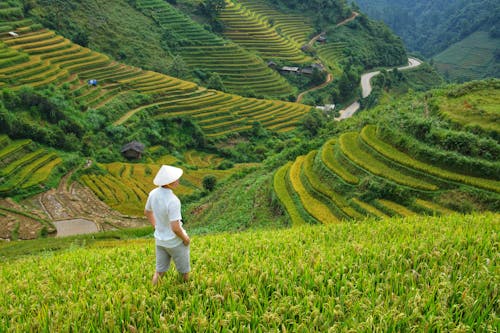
(186,241)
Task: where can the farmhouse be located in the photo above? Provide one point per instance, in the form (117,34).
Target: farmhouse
(289,69)
(133,150)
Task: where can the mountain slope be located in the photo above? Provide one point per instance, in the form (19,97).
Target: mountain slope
(169,32)
(431,27)
(475,57)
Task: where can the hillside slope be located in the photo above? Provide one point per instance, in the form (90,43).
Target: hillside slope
(431,27)
(180,46)
(475,57)
(393,275)
(427,153)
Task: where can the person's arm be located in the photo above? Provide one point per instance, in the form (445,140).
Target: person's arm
(151,217)
(176,228)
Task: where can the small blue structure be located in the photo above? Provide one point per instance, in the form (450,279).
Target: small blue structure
(92,82)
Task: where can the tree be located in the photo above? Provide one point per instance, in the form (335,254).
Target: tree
(212,8)
(318,76)
(178,68)
(312,122)
(215,82)
(348,83)
(209,182)
(81,38)
(6,119)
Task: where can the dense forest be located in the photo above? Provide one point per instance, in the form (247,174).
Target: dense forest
(429,27)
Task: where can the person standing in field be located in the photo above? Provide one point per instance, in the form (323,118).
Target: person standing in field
(163,210)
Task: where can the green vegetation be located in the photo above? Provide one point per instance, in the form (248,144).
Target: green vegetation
(370,44)
(474,57)
(474,105)
(430,27)
(324,233)
(244,201)
(408,160)
(389,151)
(395,274)
(461,36)
(391,84)
(323,12)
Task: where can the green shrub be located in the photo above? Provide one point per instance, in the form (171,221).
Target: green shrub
(209,182)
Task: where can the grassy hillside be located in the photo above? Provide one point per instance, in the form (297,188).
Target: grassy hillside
(390,85)
(408,274)
(474,57)
(110,27)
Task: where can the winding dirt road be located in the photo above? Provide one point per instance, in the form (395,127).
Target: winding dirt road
(329,79)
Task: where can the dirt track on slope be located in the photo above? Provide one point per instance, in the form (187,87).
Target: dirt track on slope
(329,77)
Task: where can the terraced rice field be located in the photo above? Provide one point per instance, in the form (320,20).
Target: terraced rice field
(246,29)
(23,165)
(293,27)
(331,54)
(39,57)
(328,185)
(126,186)
(202,160)
(239,70)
